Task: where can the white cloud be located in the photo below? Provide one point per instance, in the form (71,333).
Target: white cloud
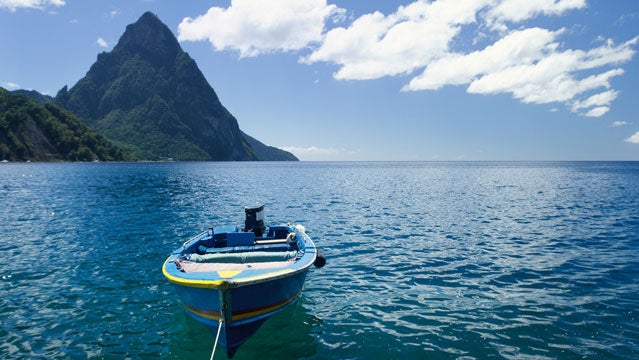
(434,43)
(619,123)
(312,150)
(376,45)
(102,43)
(520,10)
(529,65)
(597,112)
(256,27)
(11,86)
(517,48)
(544,82)
(12,5)
(602,99)
(318,153)
(634,139)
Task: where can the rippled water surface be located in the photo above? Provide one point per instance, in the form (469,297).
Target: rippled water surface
(425,260)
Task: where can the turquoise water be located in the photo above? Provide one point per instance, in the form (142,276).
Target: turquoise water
(425,260)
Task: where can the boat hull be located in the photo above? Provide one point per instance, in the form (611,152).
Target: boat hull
(240,299)
(250,306)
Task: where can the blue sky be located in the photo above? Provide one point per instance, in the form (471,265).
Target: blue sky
(376,80)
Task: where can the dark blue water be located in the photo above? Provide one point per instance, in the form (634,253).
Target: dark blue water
(425,260)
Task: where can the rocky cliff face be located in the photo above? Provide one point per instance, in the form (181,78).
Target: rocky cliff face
(148,96)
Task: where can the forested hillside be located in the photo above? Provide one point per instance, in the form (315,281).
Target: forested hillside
(30,131)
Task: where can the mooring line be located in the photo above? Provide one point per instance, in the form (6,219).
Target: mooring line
(219,328)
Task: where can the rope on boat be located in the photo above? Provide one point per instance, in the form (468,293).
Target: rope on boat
(219,328)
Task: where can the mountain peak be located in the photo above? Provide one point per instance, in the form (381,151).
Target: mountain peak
(149,95)
(149,37)
(150,17)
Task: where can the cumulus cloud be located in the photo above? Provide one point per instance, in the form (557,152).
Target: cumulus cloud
(634,139)
(256,27)
(12,5)
(517,48)
(376,45)
(601,99)
(619,123)
(102,43)
(519,10)
(529,65)
(597,112)
(11,86)
(433,44)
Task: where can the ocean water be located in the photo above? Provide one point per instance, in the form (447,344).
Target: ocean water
(456,260)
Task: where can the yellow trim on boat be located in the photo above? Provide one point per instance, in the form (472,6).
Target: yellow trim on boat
(213,315)
(213,284)
(228,273)
(207,284)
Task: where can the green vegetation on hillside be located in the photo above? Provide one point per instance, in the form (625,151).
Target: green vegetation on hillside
(45,132)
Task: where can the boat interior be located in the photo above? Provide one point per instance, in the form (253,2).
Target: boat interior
(228,247)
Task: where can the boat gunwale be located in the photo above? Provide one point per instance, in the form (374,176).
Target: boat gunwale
(231,283)
(225,283)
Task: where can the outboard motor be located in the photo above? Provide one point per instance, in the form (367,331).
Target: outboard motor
(255,220)
(320,260)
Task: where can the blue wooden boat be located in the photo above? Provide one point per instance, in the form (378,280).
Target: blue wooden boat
(232,280)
